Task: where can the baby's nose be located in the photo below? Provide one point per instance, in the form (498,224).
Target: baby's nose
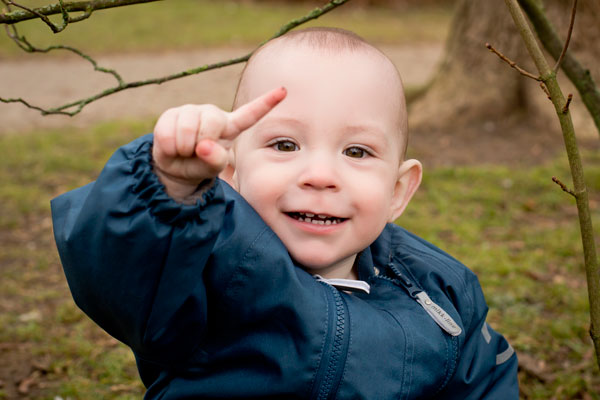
(319,173)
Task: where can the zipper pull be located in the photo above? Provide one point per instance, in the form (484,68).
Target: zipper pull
(438,314)
(404,281)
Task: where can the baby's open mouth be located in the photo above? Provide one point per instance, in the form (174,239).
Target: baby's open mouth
(317,219)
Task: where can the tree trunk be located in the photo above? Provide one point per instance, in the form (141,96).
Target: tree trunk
(476,94)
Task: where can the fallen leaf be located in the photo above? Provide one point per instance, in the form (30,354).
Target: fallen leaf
(34,315)
(26,383)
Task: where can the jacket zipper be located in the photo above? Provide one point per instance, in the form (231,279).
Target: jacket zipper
(437,313)
(335,350)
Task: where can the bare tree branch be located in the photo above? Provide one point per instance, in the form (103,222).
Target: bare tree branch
(512,63)
(24,44)
(55,28)
(575,71)
(545,89)
(75,107)
(592,268)
(563,186)
(566,46)
(565,109)
(87,7)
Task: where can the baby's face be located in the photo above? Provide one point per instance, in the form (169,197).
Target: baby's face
(322,168)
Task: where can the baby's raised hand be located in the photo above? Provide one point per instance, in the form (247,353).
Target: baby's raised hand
(191,142)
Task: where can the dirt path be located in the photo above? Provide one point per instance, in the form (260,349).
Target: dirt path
(49,82)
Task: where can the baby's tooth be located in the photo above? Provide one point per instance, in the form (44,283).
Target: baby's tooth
(322,216)
(310,215)
(328,222)
(307,219)
(300,219)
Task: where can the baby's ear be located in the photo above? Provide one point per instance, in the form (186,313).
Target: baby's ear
(409,179)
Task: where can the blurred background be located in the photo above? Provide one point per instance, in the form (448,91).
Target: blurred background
(487,137)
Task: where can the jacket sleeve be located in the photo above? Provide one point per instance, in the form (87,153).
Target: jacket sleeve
(134,258)
(487,364)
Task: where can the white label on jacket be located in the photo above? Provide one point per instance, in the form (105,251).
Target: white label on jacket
(351,285)
(438,314)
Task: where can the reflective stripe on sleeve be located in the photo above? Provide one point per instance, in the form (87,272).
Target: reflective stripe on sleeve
(486,333)
(505,355)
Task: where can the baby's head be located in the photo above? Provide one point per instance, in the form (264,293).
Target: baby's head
(325,168)
(325,42)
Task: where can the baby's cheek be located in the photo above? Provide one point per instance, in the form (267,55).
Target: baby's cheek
(378,205)
(261,194)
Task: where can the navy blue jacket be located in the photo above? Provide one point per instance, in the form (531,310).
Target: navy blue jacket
(213,306)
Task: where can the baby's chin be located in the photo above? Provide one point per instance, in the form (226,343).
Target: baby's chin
(327,267)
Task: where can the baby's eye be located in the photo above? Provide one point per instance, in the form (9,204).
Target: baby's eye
(356,152)
(285,145)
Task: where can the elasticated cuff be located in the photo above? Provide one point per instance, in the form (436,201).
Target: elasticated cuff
(150,190)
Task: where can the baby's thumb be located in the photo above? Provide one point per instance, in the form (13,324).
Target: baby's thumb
(214,156)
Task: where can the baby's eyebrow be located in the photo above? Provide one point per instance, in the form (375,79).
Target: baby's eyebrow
(360,128)
(372,131)
(279,121)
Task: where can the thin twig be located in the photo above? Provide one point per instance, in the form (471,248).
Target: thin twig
(41,110)
(26,46)
(66,18)
(15,37)
(566,46)
(512,63)
(86,14)
(572,67)
(545,89)
(565,109)
(78,105)
(55,28)
(563,186)
(13,17)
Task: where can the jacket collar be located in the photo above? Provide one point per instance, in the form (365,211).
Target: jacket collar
(375,257)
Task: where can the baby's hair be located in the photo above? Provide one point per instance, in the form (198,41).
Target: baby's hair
(322,38)
(327,39)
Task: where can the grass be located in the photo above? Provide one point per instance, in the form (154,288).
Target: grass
(65,354)
(511,225)
(519,233)
(193,24)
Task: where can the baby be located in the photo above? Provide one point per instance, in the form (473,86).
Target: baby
(282,278)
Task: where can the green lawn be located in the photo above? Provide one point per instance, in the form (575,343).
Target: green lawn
(193,24)
(513,226)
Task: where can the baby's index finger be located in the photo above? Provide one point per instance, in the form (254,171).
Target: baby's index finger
(250,113)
